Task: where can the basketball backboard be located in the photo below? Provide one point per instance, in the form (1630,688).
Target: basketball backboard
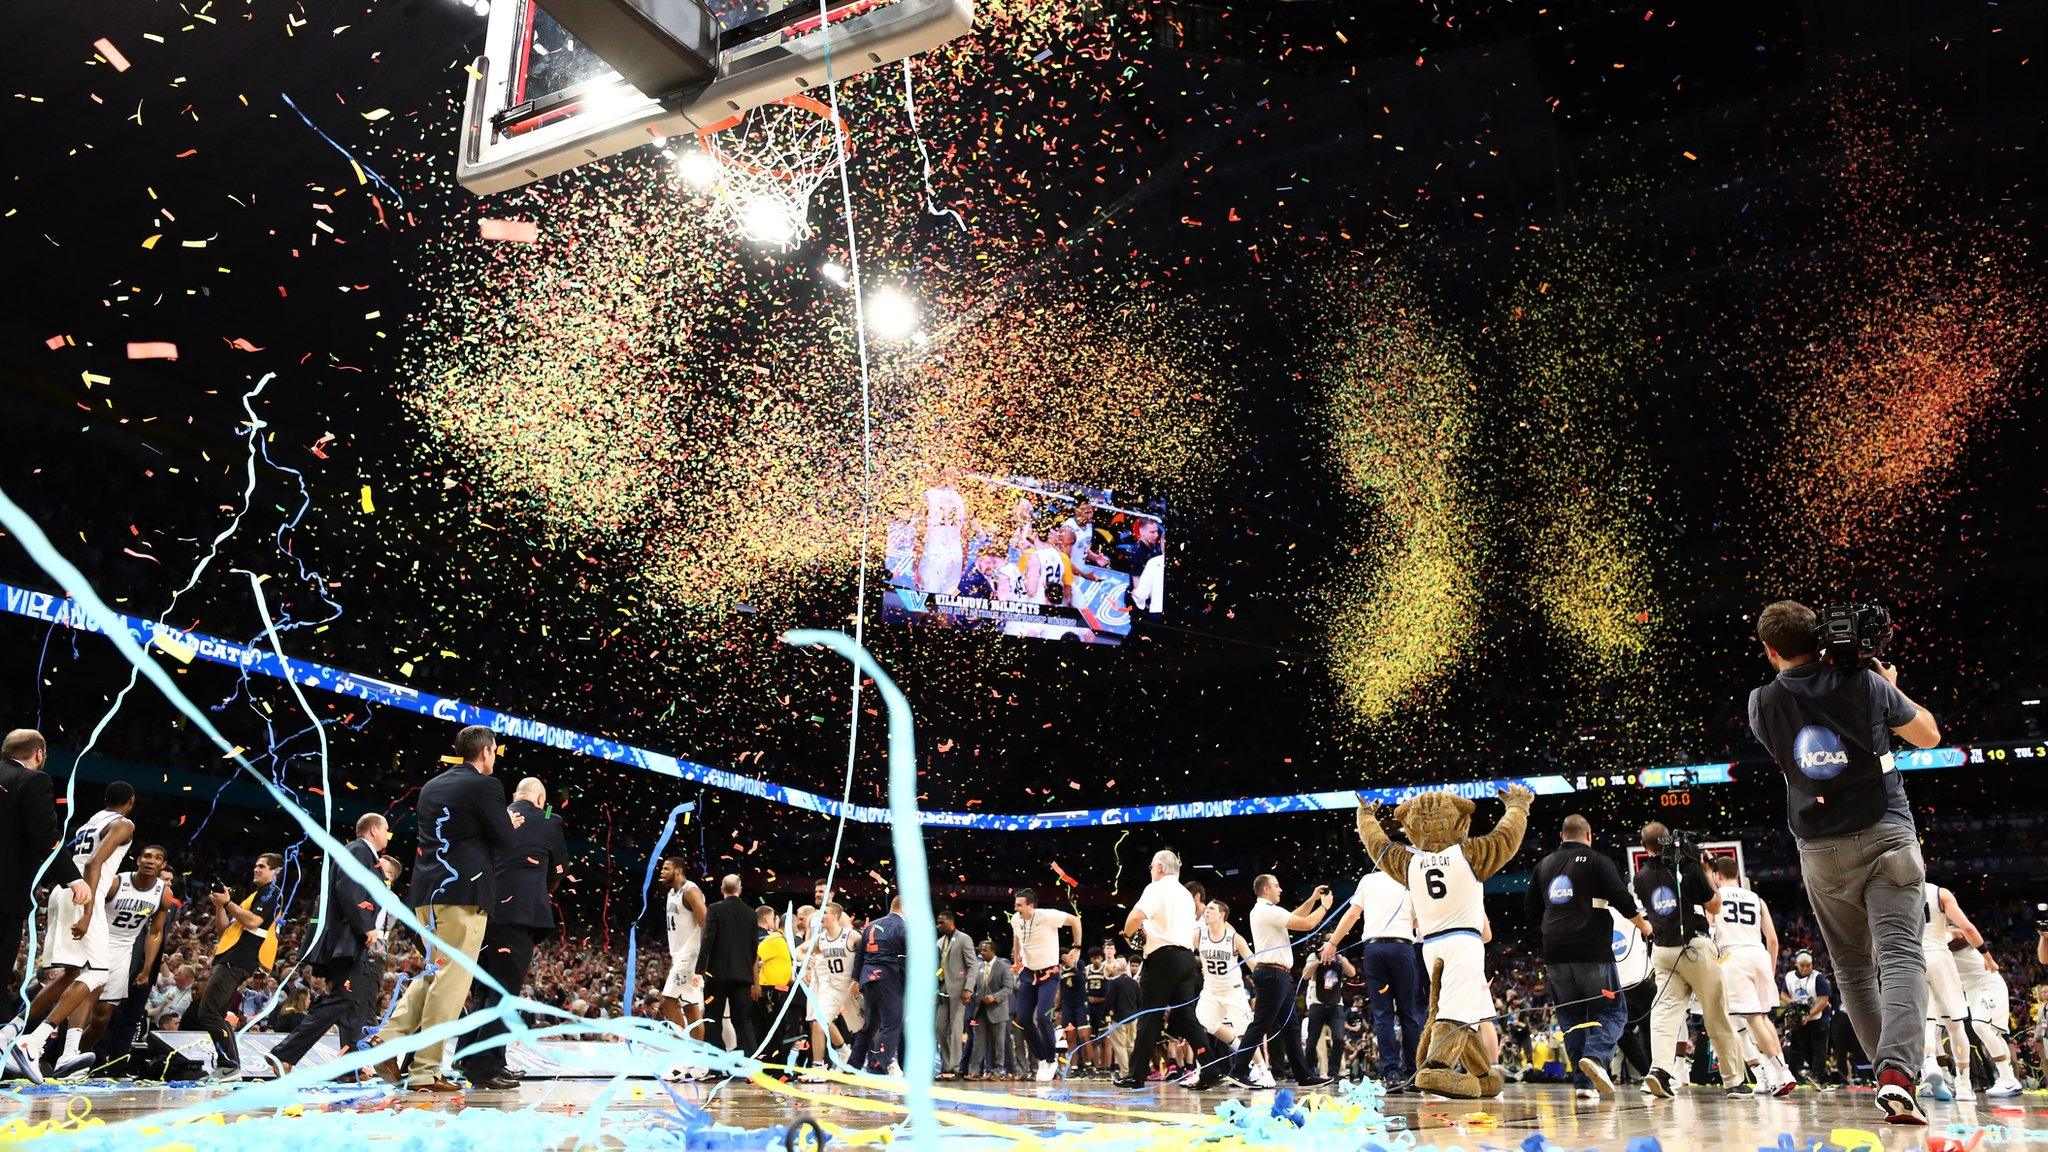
(540,102)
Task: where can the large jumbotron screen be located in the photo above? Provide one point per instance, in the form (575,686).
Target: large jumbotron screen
(1026,557)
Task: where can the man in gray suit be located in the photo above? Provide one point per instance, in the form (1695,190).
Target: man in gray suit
(990,1019)
(958,967)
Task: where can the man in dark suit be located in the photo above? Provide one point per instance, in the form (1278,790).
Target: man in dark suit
(884,944)
(370,989)
(463,827)
(726,959)
(522,918)
(341,953)
(957,967)
(990,1021)
(28,831)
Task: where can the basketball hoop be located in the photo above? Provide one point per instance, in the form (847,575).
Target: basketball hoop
(767,163)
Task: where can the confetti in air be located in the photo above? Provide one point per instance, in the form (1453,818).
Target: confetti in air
(1577,339)
(1905,329)
(638,387)
(1398,395)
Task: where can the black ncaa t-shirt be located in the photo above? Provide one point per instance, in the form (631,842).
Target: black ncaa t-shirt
(1829,731)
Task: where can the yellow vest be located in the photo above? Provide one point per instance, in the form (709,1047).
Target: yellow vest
(266,954)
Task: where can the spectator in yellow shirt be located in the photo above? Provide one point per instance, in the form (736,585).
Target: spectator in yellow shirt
(773,974)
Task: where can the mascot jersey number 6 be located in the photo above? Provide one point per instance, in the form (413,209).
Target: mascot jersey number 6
(1446,871)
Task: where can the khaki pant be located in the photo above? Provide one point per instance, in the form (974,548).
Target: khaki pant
(439,996)
(1120,1049)
(1693,970)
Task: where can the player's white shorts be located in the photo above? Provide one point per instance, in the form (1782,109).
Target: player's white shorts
(1213,1012)
(1990,1002)
(1748,982)
(1462,994)
(120,975)
(87,953)
(829,1004)
(679,986)
(1944,987)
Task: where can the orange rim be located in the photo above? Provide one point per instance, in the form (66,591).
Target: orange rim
(801,103)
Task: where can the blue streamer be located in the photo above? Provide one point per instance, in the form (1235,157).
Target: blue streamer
(920,1035)
(286,1089)
(326,795)
(668,830)
(365,168)
(255,436)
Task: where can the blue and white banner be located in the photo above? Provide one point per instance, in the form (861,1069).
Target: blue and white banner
(185,647)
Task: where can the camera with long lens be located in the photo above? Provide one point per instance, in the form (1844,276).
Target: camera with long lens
(1852,634)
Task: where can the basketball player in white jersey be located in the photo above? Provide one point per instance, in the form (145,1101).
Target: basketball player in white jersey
(682,993)
(75,948)
(136,912)
(1945,993)
(1056,565)
(828,965)
(1046,572)
(1748,943)
(938,567)
(1990,1005)
(1006,581)
(1224,1010)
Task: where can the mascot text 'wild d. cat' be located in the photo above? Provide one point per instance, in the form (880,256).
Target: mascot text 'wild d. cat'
(1446,870)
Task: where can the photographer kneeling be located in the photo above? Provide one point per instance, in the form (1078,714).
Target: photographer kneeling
(1680,902)
(1824,723)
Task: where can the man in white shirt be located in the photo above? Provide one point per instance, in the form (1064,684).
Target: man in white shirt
(1035,958)
(1392,962)
(1273,1020)
(1165,913)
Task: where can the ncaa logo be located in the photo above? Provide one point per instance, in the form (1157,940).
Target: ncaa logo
(1561,890)
(1664,900)
(1620,945)
(1819,752)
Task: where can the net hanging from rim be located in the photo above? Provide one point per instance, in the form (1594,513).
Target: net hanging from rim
(767,163)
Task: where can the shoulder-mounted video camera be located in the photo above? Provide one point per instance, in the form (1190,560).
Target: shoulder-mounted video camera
(1678,845)
(1852,634)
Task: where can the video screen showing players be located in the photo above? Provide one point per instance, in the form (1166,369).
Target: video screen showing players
(1026,557)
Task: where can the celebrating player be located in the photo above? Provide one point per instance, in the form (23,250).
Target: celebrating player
(1224,1011)
(938,567)
(1748,943)
(835,1010)
(682,993)
(1945,992)
(75,951)
(1990,1008)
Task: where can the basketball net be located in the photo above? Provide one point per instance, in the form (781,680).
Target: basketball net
(769,162)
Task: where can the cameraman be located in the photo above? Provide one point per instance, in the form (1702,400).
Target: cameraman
(1824,725)
(247,945)
(1807,1014)
(1680,902)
